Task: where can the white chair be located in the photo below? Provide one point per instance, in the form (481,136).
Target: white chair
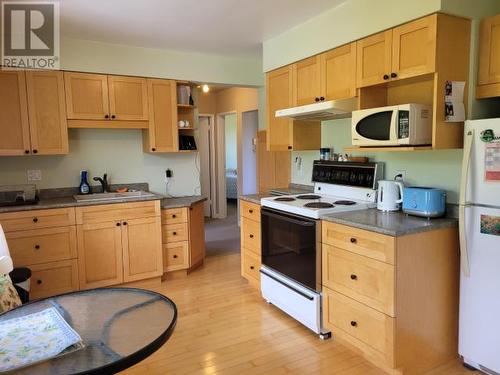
(6,265)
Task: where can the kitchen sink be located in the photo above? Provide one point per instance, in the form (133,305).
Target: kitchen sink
(111,196)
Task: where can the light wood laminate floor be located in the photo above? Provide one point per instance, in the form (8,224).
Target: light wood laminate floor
(225,327)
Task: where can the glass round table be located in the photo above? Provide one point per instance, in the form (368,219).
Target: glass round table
(119,328)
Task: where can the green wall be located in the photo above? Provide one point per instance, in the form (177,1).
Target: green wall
(231,141)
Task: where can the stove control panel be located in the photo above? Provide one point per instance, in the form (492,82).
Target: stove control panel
(363,175)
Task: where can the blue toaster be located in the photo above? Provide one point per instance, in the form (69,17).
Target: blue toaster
(424,201)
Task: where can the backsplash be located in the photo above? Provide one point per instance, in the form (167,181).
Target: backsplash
(117,152)
(423,168)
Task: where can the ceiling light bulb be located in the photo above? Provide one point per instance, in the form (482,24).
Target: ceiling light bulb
(205,88)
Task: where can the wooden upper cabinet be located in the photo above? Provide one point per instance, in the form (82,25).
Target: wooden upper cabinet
(142,250)
(374,59)
(100,254)
(414,48)
(14,126)
(163,133)
(306,81)
(128,98)
(338,72)
(489,58)
(86,96)
(279,96)
(47,112)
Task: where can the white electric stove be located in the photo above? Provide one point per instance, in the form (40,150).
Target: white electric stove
(291,236)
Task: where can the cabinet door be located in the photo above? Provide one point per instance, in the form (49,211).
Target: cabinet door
(196,235)
(374,59)
(86,96)
(279,96)
(47,112)
(306,81)
(142,251)
(14,127)
(163,133)
(489,51)
(414,48)
(100,254)
(128,98)
(338,72)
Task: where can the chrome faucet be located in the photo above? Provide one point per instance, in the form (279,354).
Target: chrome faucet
(104,182)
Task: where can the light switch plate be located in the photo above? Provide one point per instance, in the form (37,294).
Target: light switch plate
(34,175)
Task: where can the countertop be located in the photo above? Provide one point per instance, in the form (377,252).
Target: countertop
(176,202)
(389,223)
(63,202)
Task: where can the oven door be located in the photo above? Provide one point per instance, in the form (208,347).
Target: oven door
(375,127)
(291,246)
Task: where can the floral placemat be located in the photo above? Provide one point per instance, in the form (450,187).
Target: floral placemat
(36,337)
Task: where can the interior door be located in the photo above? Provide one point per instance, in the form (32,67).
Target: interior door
(47,112)
(100,254)
(306,81)
(14,126)
(128,98)
(374,59)
(86,96)
(279,94)
(162,102)
(414,47)
(204,130)
(338,72)
(142,251)
(489,51)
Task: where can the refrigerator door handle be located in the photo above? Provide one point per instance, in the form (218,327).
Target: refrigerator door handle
(468,139)
(464,255)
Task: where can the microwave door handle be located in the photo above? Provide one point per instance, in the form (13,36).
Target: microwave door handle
(394,129)
(291,220)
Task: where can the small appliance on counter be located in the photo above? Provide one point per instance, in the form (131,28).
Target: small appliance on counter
(390,195)
(424,201)
(187,143)
(18,195)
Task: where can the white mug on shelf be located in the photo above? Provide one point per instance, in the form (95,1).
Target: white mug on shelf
(182,124)
(186,124)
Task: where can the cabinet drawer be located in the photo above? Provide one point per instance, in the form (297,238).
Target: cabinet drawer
(250,235)
(366,280)
(174,232)
(367,325)
(49,279)
(42,245)
(174,215)
(250,265)
(27,220)
(250,210)
(359,241)
(116,212)
(175,256)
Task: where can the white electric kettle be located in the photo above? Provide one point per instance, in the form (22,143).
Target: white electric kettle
(390,195)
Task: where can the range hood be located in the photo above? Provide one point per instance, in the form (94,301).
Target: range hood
(330,110)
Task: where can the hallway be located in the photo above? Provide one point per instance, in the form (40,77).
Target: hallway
(222,236)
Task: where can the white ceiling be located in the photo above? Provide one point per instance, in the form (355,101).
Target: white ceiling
(229,27)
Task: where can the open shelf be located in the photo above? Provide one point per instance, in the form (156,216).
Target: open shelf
(387,149)
(186,106)
(188,151)
(188,128)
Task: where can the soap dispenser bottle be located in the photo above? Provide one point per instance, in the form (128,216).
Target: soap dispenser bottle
(84,184)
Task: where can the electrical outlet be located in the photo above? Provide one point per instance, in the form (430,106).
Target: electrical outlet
(34,175)
(401,172)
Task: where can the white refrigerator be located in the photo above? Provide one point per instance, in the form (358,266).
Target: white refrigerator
(479,320)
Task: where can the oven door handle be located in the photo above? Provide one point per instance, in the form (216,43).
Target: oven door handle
(288,286)
(289,219)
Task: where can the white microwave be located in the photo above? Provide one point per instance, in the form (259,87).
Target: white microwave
(397,125)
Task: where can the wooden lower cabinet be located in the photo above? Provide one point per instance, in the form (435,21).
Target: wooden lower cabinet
(118,243)
(395,299)
(142,252)
(250,242)
(100,254)
(183,237)
(49,279)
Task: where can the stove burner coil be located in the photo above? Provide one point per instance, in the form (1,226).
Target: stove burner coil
(345,203)
(319,205)
(284,199)
(308,196)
